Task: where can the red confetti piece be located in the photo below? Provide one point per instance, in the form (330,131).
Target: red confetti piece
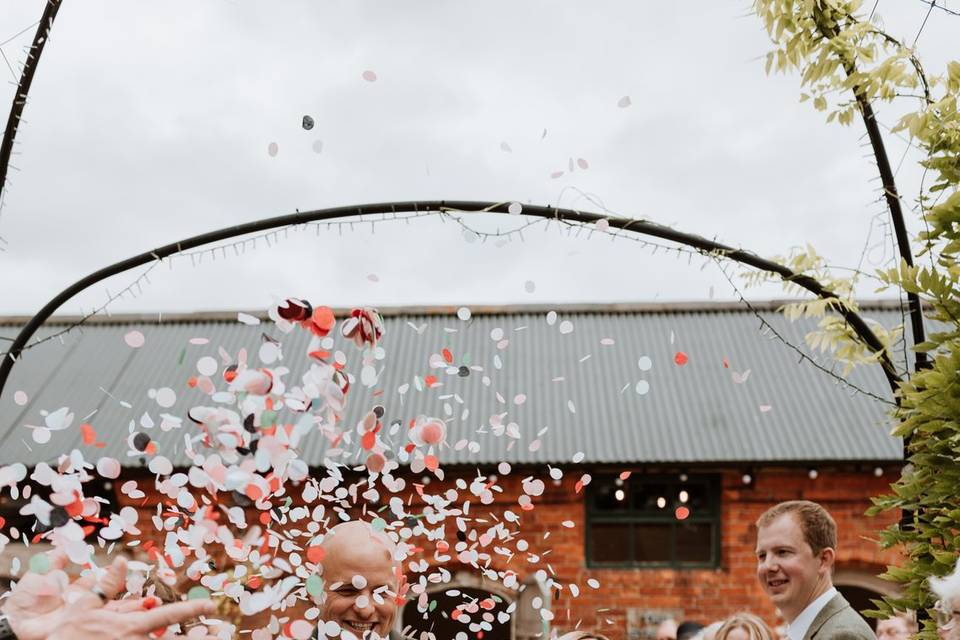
(682,513)
(369,439)
(431,462)
(625,474)
(447,356)
(726,363)
(680,358)
(316,554)
(430,381)
(88,434)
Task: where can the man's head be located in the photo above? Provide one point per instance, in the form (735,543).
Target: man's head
(361,579)
(667,630)
(898,627)
(796,548)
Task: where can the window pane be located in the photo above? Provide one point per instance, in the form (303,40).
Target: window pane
(647,497)
(606,498)
(694,541)
(611,542)
(699,498)
(651,542)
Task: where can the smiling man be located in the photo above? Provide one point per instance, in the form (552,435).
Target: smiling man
(796,549)
(362,582)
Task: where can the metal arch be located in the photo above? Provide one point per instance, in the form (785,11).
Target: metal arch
(641,227)
(23,88)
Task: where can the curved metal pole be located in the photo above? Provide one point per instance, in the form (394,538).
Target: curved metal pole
(887,177)
(642,227)
(23,88)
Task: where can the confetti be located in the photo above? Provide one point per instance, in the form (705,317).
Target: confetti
(369,76)
(529,286)
(643,387)
(20,398)
(645,363)
(464,313)
(307,123)
(272,149)
(680,358)
(624,102)
(515,208)
(566,327)
(317,146)
(505,147)
(134,339)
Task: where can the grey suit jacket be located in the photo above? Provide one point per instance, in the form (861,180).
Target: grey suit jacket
(839,621)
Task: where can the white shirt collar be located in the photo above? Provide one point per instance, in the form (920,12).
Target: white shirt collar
(797,629)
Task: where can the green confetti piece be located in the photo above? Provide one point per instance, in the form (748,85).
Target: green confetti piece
(39,563)
(433,605)
(466,359)
(378,524)
(183,354)
(198,593)
(315,585)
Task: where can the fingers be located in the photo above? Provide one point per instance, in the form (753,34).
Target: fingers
(114,581)
(111,583)
(170,614)
(126,606)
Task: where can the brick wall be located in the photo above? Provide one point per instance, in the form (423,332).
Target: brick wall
(702,594)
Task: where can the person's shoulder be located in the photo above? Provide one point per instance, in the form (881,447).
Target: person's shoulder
(850,625)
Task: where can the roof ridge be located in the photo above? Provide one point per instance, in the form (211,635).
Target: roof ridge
(678,307)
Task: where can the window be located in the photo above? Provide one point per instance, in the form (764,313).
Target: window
(653,521)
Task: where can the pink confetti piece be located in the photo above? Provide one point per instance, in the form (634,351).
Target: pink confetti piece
(369,76)
(583,164)
(272,149)
(764,408)
(20,398)
(556,174)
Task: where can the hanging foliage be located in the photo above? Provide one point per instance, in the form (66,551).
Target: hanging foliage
(846,65)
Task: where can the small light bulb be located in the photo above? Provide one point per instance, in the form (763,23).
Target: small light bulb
(747,478)
(620,495)
(683,477)
(618,482)
(684,496)
(812,474)
(878,471)
(661,502)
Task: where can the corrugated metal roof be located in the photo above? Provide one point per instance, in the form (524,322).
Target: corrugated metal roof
(582,392)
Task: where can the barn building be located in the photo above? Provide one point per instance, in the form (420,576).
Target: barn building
(690,419)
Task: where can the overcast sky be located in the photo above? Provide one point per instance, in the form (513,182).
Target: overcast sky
(151,122)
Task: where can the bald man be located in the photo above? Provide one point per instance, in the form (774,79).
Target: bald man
(361,580)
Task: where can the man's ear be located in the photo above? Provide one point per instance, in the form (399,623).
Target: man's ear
(827,557)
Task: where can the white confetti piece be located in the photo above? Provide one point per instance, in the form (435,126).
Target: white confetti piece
(134,339)
(246,318)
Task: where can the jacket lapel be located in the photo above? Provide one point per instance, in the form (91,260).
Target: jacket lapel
(837,604)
